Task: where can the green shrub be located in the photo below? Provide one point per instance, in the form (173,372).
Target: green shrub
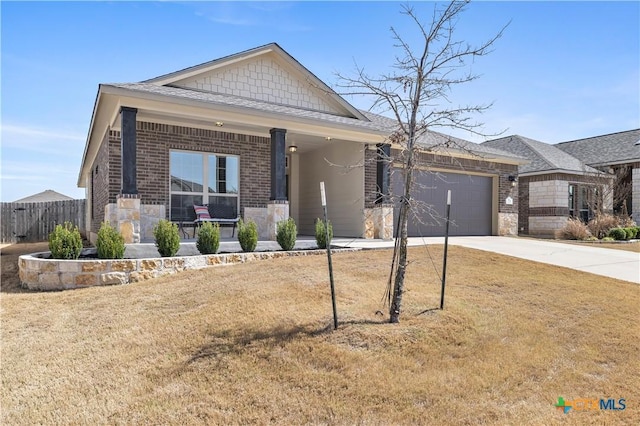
(65,242)
(110,243)
(208,241)
(286,234)
(592,238)
(167,238)
(574,229)
(607,239)
(247,235)
(618,234)
(321,233)
(630,231)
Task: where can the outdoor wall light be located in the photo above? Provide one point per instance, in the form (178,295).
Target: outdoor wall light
(293,148)
(513,180)
(328,138)
(219,124)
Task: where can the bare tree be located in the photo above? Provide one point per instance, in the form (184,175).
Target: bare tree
(416,94)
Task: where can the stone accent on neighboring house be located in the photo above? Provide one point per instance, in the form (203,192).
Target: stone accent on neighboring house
(544,201)
(550,193)
(546,225)
(635,195)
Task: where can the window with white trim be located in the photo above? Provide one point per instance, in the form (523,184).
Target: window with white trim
(202,178)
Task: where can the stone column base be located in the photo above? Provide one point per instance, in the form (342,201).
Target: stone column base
(378,222)
(508,224)
(124,215)
(259,216)
(277,211)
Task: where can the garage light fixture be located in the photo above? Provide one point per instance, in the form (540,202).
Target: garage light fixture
(513,179)
(293,148)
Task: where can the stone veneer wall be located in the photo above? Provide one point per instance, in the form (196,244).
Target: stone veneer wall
(54,274)
(545,199)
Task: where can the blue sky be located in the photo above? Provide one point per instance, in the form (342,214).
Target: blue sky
(562,71)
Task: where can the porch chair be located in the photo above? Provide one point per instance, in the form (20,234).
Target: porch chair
(222,215)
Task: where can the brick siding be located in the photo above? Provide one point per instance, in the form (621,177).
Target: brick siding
(155,141)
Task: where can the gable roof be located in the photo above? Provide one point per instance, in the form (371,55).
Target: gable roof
(614,148)
(255,71)
(543,157)
(44,196)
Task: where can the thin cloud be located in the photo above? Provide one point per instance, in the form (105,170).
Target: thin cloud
(38,133)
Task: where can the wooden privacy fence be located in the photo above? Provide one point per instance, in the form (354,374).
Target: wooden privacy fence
(33,222)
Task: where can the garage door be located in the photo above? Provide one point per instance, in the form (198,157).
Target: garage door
(471,198)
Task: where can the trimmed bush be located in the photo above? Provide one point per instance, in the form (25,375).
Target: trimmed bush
(208,241)
(608,239)
(65,242)
(110,243)
(630,231)
(617,234)
(574,229)
(247,235)
(600,225)
(286,234)
(167,238)
(321,233)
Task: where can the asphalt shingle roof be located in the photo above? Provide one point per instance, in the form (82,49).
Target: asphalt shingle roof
(606,149)
(237,101)
(543,157)
(442,143)
(378,123)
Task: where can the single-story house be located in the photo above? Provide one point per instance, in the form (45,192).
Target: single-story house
(554,186)
(256,132)
(618,154)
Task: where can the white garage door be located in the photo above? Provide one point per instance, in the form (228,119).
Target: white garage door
(470,205)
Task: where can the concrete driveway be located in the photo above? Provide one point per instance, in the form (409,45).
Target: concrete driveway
(620,264)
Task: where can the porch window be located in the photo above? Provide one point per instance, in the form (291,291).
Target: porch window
(202,178)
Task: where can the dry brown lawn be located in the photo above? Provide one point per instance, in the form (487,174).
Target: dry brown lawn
(253,344)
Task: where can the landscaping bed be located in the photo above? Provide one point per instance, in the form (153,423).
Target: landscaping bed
(39,271)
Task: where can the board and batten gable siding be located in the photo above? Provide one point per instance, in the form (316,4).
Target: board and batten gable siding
(339,166)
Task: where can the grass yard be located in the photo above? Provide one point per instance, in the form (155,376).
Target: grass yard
(253,344)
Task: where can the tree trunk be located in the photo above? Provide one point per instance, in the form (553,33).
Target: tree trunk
(398,287)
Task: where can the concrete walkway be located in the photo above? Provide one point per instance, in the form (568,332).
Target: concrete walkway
(620,264)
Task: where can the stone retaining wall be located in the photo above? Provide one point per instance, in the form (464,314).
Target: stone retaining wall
(37,273)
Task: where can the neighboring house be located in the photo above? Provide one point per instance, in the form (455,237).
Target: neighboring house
(43,197)
(616,153)
(554,186)
(257,132)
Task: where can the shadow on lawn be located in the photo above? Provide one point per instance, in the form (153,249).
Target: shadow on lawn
(225,343)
